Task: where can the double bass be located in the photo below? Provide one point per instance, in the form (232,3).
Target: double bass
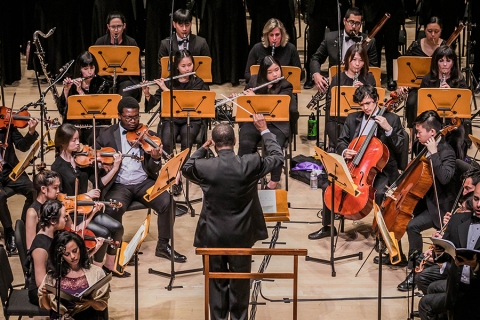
(372,156)
(411,186)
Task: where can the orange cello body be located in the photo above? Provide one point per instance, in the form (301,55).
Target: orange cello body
(375,157)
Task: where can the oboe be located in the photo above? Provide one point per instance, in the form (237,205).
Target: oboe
(355,77)
(317,97)
(253,89)
(273,49)
(443,79)
(149,83)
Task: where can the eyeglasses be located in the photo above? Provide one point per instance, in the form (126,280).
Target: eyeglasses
(354,23)
(128,119)
(118,27)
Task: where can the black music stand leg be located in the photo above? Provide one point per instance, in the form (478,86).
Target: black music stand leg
(332,259)
(136,283)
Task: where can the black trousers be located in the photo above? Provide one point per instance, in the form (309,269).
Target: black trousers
(249,138)
(105,226)
(419,223)
(126,194)
(388,37)
(178,128)
(23,186)
(229,296)
(433,305)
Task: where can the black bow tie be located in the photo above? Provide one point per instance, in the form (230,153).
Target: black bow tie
(475,219)
(183,41)
(124,131)
(353,38)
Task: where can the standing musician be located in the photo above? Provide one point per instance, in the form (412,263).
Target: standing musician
(77,274)
(183,40)
(183,63)
(270,69)
(231,217)
(389,131)
(355,74)
(85,81)
(23,185)
(329,47)
(275,43)
(116,25)
(67,143)
(134,178)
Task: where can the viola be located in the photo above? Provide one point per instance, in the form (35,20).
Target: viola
(19,119)
(86,158)
(372,156)
(141,136)
(87,235)
(85,204)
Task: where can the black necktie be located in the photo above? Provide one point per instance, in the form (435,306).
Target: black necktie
(475,219)
(124,131)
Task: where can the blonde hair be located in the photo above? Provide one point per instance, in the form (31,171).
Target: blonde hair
(269,26)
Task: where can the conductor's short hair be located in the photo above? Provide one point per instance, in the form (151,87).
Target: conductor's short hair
(223,135)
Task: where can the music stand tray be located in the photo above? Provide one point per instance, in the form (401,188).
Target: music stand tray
(117,60)
(98,106)
(347,105)
(411,70)
(273,107)
(274,205)
(189,103)
(202,67)
(449,103)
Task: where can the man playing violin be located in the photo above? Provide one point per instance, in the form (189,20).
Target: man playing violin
(23,185)
(134,178)
(389,131)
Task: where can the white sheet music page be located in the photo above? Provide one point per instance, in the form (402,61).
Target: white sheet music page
(268,200)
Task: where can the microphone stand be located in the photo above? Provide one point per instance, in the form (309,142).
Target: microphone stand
(59,279)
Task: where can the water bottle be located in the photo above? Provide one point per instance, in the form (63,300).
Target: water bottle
(312,127)
(313,180)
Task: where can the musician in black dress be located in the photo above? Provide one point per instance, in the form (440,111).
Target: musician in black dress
(270,69)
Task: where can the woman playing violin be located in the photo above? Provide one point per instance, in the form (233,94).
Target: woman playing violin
(67,143)
(85,81)
(77,274)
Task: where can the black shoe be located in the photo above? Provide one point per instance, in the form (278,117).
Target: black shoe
(322,233)
(416,314)
(308,84)
(406,285)
(386,261)
(10,244)
(177,188)
(125,274)
(165,251)
(391,85)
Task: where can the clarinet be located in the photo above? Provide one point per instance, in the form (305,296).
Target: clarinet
(355,77)
(115,40)
(443,80)
(273,49)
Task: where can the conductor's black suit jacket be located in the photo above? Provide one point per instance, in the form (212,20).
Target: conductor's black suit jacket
(231,214)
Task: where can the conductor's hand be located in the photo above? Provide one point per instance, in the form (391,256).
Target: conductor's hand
(431,145)
(157,152)
(208,144)
(320,81)
(349,154)
(259,122)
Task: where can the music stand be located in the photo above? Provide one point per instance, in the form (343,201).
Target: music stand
(347,105)
(188,104)
(202,67)
(131,249)
(92,107)
(124,60)
(411,70)
(273,107)
(449,103)
(338,175)
(376,72)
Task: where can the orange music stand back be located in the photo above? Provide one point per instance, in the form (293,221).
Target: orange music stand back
(347,105)
(273,107)
(119,60)
(291,74)
(448,103)
(377,73)
(88,107)
(202,67)
(189,103)
(411,70)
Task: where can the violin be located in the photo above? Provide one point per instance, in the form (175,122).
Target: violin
(19,120)
(141,136)
(86,158)
(87,235)
(85,204)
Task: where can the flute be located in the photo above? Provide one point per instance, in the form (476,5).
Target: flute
(242,94)
(149,83)
(80,79)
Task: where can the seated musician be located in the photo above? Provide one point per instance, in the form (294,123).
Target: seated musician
(355,74)
(23,185)
(270,69)
(440,195)
(85,81)
(389,131)
(134,178)
(183,63)
(77,274)
(102,225)
(184,40)
(116,35)
(274,33)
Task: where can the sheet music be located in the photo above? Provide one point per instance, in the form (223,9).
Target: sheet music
(268,200)
(132,246)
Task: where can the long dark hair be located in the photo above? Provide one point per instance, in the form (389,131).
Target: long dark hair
(59,242)
(49,212)
(63,135)
(179,55)
(83,60)
(448,52)
(266,63)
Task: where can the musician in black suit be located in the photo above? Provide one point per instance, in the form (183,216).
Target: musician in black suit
(184,39)
(134,178)
(231,215)
(23,185)
(329,47)
(389,130)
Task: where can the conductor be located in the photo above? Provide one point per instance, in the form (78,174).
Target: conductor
(231,215)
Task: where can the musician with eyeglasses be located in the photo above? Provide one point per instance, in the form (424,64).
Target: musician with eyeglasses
(329,47)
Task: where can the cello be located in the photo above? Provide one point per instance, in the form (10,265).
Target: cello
(372,156)
(411,186)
